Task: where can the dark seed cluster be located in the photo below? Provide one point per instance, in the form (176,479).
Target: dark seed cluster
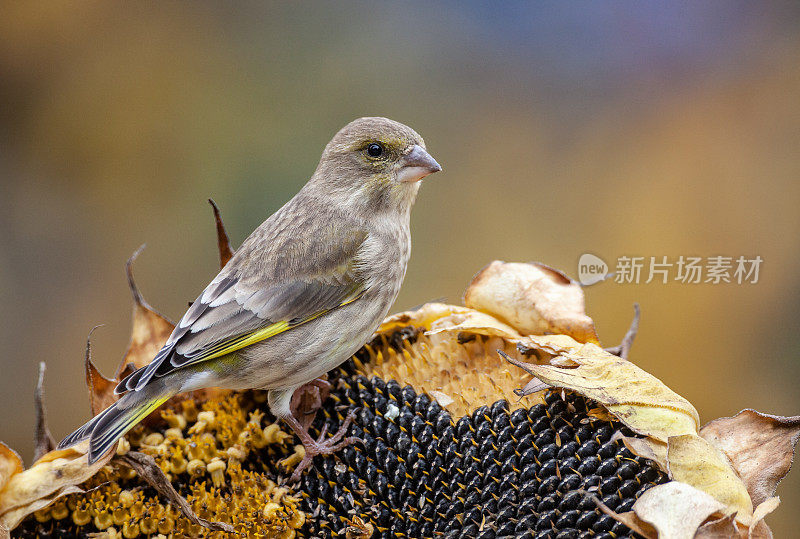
(495,473)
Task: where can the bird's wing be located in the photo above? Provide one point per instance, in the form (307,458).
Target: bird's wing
(261,295)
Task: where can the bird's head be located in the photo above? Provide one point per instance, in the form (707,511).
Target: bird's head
(375,162)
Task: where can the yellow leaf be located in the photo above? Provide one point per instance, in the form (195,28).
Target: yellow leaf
(694,461)
(638,399)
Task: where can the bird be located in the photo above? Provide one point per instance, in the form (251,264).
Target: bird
(301,295)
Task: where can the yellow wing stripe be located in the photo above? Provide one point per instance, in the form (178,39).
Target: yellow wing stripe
(226,347)
(242,341)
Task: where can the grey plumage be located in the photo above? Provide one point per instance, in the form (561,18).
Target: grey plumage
(324,270)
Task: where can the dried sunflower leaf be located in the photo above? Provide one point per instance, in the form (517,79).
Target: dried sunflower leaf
(13,517)
(225,251)
(42,439)
(760,447)
(532,298)
(649,448)
(101,389)
(638,399)
(721,528)
(474,322)
(54,471)
(422,317)
(629,518)
(150,329)
(676,509)
(146,467)
(759,528)
(693,460)
(10,465)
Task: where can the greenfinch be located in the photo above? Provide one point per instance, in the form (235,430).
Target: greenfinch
(301,295)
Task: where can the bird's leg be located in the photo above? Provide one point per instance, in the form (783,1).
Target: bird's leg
(320,446)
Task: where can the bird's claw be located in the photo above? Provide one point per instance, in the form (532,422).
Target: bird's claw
(324,447)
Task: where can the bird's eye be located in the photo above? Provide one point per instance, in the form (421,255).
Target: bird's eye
(375,150)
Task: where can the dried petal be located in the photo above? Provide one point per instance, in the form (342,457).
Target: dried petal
(150,329)
(760,447)
(225,252)
(146,467)
(534,385)
(693,460)
(442,398)
(676,509)
(533,298)
(42,439)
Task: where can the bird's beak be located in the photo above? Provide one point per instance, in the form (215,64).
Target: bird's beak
(417,164)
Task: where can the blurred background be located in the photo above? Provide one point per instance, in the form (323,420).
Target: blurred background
(620,129)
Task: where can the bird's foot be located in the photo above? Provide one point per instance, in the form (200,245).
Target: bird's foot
(321,446)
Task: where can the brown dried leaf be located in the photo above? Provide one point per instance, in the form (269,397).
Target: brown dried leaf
(10,464)
(760,447)
(638,399)
(150,329)
(693,460)
(225,252)
(101,389)
(676,509)
(50,474)
(146,467)
(42,439)
(533,298)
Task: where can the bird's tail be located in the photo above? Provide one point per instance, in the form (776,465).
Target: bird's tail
(112,423)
